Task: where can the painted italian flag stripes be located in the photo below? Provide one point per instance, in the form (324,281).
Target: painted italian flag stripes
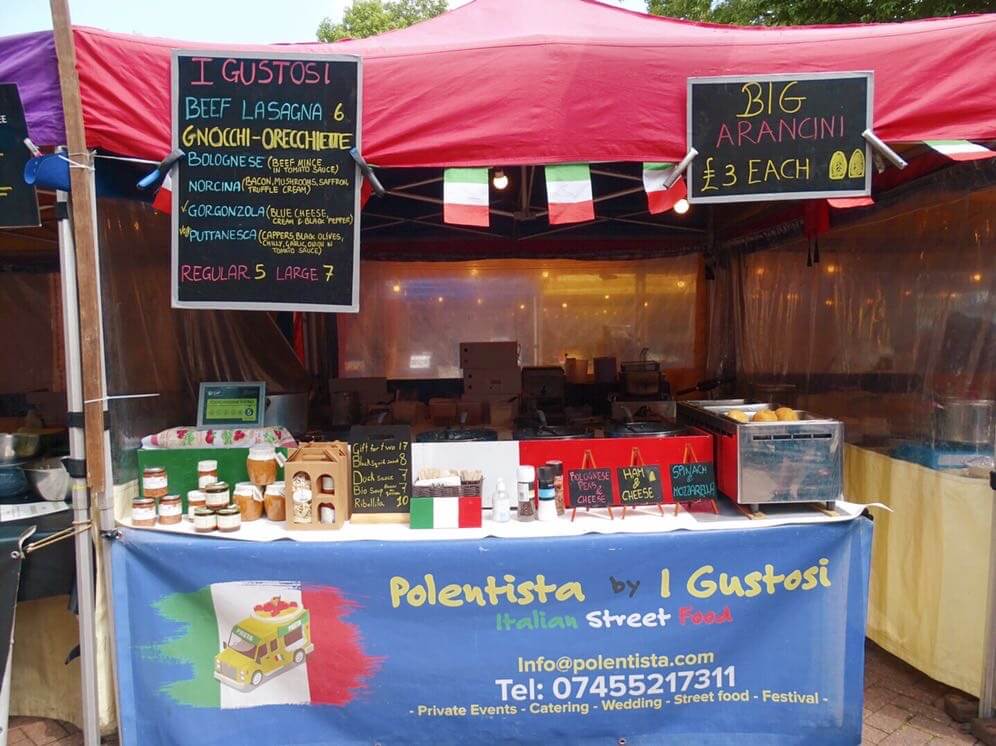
(961,150)
(465,196)
(250,644)
(659,197)
(568,189)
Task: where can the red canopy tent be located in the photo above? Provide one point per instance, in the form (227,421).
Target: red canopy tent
(500,82)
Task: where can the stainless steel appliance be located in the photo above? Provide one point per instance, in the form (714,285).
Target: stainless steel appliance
(964,421)
(771,462)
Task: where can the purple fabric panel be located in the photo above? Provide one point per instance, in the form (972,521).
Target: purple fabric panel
(29,60)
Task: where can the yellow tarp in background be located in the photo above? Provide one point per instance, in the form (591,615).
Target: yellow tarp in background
(930,564)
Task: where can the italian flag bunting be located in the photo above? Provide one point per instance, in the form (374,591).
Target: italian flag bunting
(163,200)
(568,190)
(659,198)
(465,196)
(961,150)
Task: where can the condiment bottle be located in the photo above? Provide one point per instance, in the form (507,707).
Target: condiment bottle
(526,508)
(170,510)
(154,482)
(216,495)
(143,512)
(558,484)
(501,503)
(262,464)
(207,473)
(195,500)
(205,521)
(273,501)
(249,498)
(229,519)
(546,509)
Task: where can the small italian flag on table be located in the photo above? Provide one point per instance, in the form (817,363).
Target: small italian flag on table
(659,197)
(465,196)
(568,189)
(961,150)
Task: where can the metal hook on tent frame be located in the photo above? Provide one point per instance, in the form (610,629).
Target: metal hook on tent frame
(893,157)
(367,172)
(19,553)
(678,170)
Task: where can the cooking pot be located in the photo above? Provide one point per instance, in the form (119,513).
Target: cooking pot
(967,421)
(645,428)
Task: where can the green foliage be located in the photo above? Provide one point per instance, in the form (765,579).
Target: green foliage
(806,12)
(369,17)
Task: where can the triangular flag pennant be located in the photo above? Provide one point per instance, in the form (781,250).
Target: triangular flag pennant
(844,203)
(961,150)
(164,197)
(568,190)
(659,197)
(365,191)
(465,196)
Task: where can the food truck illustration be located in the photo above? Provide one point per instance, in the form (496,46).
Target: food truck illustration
(273,638)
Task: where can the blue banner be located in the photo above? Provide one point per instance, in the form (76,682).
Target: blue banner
(751,636)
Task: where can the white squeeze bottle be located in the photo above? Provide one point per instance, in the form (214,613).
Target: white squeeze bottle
(502,512)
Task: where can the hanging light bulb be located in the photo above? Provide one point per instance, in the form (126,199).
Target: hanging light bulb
(499,181)
(681,206)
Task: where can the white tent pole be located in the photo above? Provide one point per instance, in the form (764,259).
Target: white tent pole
(81,497)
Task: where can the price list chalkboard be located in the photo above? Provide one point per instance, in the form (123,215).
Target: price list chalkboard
(18,201)
(779,137)
(266,200)
(381,459)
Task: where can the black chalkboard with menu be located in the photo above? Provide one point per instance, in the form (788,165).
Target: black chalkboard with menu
(381,460)
(18,201)
(692,482)
(640,485)
(590,488)
(266,203)
(769,137)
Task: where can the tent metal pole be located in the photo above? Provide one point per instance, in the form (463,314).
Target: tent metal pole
(81,498)
(986,690)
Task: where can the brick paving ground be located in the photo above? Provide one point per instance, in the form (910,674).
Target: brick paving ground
(902,708)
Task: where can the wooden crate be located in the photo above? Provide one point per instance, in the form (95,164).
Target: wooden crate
(319,462)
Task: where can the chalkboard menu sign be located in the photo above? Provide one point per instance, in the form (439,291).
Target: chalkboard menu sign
(772,137)
(18,201)
(640,485)
(693,482)
(590,488)
(266,203)
(381,458)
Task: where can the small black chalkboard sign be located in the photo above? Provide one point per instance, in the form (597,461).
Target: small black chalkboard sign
(590,488)
(18,201)
(640,485)
(693,482)
(381,458)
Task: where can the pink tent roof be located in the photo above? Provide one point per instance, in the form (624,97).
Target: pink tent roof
(518,81)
